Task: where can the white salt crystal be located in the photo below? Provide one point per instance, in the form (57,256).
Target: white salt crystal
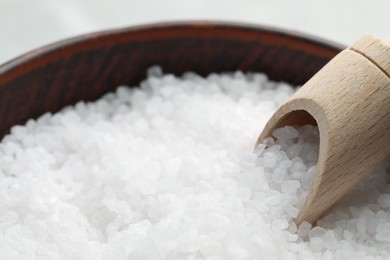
(290,186)
(312,156)
(279,224)
(317,232)
(384,200)
(279,175)
(292,211)
(304,229)
(329,239)
(293,228)
(12,235)
(361,225)
(372,224)
(285,164)
(167,109)
(12,217)
(328,255)
(316,244)
(294,150)
(306,131)
(243,194)
(312,170)
(237,251)
(10,254)
(273,200)
(269,159)
(383,233)
(155,71)
(269,141)
(381,214)
(298,174)
(260,149)
(298,166)
(285,133)
(291,237)
(301,199)
(347,235)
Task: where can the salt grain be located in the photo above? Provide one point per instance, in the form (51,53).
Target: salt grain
(285,133)
(290,186)
(269,159)
(384,201)
(383,233)
(304,229)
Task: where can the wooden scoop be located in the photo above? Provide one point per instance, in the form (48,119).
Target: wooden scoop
(349,100)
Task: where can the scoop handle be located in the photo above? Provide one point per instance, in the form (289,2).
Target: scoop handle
(349,100)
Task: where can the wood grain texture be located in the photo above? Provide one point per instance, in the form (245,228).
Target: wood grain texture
(350,101)
(86,67)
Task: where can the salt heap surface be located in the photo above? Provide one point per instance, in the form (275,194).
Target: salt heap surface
(168,171)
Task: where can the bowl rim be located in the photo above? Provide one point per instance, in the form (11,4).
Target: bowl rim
(37,53)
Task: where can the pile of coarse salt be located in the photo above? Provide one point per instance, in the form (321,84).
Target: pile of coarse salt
(167,171)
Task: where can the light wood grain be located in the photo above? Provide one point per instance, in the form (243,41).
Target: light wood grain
(349,100)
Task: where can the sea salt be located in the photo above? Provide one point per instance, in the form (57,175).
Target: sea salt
(168,171)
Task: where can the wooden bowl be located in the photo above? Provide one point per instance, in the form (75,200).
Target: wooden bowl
(86,67)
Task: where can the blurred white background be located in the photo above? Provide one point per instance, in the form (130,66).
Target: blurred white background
(28,24)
